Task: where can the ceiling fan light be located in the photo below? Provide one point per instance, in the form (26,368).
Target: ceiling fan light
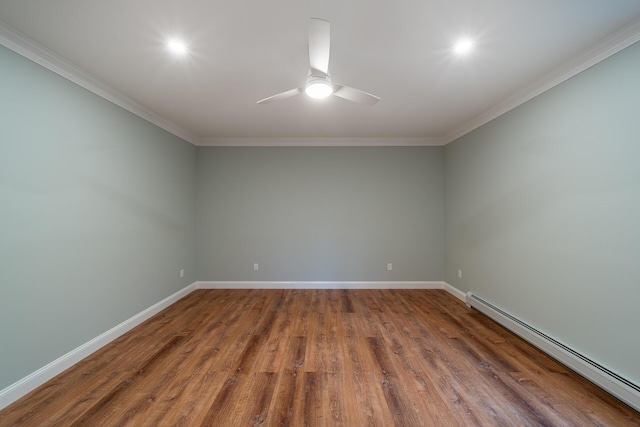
(318,89)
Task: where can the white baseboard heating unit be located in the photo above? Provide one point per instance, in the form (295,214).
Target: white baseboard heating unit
(615,384)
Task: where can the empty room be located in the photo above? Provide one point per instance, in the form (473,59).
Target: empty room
(306,213)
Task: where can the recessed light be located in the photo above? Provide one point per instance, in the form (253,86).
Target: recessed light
(177,47)
(463,46)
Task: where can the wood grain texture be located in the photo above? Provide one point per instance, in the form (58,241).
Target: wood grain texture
(318,358)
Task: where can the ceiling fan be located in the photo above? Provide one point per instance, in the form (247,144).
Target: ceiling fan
(319,84)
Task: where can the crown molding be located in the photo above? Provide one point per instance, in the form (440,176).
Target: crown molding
(19,43)
(350,141)
(610,45)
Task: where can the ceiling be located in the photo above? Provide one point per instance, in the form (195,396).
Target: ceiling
(246,50)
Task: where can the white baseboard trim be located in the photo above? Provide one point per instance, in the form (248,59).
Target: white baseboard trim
(612,382)
(319,285)
(455,292)
(332,285)
(20,388)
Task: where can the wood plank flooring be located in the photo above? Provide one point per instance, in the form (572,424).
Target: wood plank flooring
(318,358)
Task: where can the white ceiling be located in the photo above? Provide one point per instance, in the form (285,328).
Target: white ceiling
(245,50)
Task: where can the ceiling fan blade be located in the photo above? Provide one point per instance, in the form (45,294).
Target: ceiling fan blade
(281,96)
(319,44)
(354,95)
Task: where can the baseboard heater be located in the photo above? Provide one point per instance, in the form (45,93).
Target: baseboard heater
(612,382)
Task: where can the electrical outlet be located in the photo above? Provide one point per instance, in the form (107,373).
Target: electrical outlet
(389,266)
(182,273)
(256,267)
(459,274)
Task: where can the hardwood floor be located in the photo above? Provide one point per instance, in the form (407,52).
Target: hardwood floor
(318,358)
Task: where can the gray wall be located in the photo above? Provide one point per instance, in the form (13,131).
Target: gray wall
(320,213)
(543,212)
(96,216)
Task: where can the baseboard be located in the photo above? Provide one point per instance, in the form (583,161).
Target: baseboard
(44,374)
(332,285)
(610,381)
(319,285)
(455,292)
